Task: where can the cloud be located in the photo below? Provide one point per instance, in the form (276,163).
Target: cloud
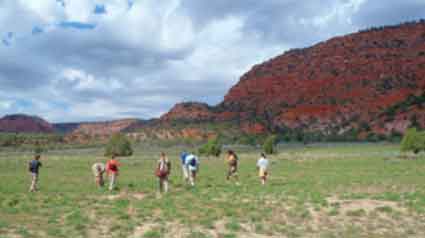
(79,60)
(375,13)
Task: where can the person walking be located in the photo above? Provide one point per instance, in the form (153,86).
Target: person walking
(112,170)
(163,170)
(262,167)
(98,170)
(192,163)
(185,168)
(34,168)
(232,162)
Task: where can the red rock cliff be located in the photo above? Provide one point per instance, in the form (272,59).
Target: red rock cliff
(339,84)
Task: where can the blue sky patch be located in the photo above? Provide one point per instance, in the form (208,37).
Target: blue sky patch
(99,9)
(37,30)
(23,105)
(130,3)
(5,42)
(77,25)
(61,2)
(7,39)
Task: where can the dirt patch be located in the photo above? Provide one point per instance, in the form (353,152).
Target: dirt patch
(170,230)
(100,231)
(367,205)
(139,231)
(139,196)
(123,195)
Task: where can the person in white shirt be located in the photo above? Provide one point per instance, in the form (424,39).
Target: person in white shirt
(262,167)
(192,163)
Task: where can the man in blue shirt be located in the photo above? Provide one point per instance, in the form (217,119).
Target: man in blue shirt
(185,168)
(192,164)
(34,166)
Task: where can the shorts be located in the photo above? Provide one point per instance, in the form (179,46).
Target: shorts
(233,170)
(262,173)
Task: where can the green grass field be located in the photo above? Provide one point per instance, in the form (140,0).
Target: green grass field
(334,190)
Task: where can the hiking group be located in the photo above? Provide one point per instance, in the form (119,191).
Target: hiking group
(189,163)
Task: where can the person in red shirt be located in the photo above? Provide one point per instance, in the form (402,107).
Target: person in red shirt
(112,170)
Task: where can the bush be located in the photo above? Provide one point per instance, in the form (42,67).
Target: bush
(211,148)
(269,145)
(38,150)
(119,145)
(413,141)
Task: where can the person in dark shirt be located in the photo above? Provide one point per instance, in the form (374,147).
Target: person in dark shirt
(34,166)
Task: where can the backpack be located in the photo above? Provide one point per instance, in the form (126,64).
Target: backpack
(192,162)
(113,167)
(32,166)
(164,171)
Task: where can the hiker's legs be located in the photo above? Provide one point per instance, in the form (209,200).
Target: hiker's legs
(232,173)
(235,173)
(160,184)
(101,182)
(263,180)
(34,179)
(192,178)
(165,184)
(97,180)
(185,173)
(112,179)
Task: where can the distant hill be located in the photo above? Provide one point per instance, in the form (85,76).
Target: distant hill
(362,83)
(20,123)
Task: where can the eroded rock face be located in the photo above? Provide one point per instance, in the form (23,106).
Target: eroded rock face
(101,131)
(24,124)
(191,111)
(342,83)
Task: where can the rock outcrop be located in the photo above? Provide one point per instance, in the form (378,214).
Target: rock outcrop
(24,124)
(346,83)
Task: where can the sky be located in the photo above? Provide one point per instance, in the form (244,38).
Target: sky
(88,60)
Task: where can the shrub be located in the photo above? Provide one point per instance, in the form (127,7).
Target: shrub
(38,150)
(211,148)
(119,145)
(247,139)
(269,145)
(413,141)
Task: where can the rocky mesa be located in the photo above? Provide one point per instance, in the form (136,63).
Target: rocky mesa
(370,81)
(24,124)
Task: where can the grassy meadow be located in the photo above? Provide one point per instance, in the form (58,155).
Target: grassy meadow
(324,190)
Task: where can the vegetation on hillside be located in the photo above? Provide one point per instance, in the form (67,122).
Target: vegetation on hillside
(211,148)
(269,145)
(413,141)
(119,145)
(19,139)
